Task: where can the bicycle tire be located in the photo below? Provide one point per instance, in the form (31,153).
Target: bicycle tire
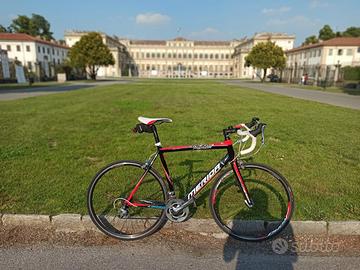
(262,221)
(112,186)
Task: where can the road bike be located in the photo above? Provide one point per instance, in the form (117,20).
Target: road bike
(129,200)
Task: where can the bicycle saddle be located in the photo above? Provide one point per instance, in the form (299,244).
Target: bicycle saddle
(151,121)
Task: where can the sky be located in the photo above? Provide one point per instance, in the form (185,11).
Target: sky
(192,19)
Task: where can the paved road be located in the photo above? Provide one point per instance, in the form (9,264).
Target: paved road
(337,99)
(154,257)
(39,91)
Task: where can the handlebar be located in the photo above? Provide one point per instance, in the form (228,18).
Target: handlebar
(249,130)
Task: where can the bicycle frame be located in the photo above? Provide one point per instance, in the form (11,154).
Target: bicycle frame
(197,187)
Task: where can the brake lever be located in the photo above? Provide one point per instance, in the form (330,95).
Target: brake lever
(263,134)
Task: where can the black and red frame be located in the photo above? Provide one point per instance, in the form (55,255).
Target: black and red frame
(190,197)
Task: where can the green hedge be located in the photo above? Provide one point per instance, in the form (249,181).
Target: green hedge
(351,73)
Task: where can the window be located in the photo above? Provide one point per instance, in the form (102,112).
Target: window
(48,50)
(39,49)
(174,55)
(340,51)
(206,56)
(211,56)
(53,51)
(27,48)
(358,50)
(8,48)
(349,52)
(196,56)
(29,65)
(169,55)
(163,55)
(190,55)
(158,55)
(18,48)
(152,55)
(185,55)
(330,52)
(216,56)
(147,55)
(179,56)
(319,52)
(222,56)
(227,56)
(200,56)
(43,49)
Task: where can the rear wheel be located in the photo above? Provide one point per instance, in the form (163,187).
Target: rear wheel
(272,198)
(113,214)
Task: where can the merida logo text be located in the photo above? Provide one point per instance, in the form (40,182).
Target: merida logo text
(205,180)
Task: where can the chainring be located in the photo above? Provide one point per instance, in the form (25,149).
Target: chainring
(179,217)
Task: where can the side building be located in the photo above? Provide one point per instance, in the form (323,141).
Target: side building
(37,55)
(285,41)
(117,49)
(322,61)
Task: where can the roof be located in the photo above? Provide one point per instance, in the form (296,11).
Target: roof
(196,42)
(339,41)
(148,42)
(25,37)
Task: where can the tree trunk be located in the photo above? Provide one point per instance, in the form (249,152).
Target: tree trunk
(264,76)
(92,72)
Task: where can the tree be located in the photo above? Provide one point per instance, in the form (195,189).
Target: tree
(37,25)
(266,55)
(352,32)
(3,29)
(310,40)
(90,53)
(326,33)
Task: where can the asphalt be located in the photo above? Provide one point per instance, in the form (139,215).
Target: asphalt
(12,94)
(337,99)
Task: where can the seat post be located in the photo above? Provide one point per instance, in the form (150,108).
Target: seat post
(156,136)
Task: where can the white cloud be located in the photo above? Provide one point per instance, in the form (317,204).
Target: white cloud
(275,11)
(152,18)
(318,4)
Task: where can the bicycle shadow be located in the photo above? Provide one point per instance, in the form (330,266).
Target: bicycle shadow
(277,253)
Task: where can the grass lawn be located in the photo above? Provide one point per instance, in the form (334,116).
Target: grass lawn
(14,86)
(51,146)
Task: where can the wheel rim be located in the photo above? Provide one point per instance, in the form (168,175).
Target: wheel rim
(272,204)
(108,207)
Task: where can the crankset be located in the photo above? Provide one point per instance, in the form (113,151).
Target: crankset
(171,205)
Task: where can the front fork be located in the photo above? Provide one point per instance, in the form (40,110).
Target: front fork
(235,166)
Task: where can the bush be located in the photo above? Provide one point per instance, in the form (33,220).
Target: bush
(351,73)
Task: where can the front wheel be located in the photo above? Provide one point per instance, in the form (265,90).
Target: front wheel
(272,198)
(126,202)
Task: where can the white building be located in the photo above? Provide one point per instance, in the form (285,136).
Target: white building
(117,49)
(38,55)
(322,60)
(286,42)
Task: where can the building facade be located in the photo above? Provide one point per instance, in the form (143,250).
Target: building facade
(286,42)
(39,56)
(181,58)
(323,60)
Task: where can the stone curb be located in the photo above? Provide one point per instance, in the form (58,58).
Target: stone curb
(75,223)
